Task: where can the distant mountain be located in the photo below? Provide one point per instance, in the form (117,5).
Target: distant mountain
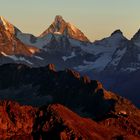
(108,51)
(61,27)
(115,40)
(59,34)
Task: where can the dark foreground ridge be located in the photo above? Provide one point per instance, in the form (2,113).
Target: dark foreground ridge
(111,116)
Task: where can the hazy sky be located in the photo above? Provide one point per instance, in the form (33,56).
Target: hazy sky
(96,18)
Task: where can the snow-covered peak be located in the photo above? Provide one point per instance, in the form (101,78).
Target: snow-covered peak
(57,27)
(64,28)
(114,40)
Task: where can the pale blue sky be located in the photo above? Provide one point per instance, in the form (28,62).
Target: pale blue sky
(96,18)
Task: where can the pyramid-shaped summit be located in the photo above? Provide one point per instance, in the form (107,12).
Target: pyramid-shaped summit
(61,27)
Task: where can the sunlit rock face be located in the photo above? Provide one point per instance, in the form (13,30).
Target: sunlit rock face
(56,122)
(15,119)
(61,27)
(9,44)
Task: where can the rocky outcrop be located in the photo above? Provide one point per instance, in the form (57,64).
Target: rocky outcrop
(54,122)
(15,119)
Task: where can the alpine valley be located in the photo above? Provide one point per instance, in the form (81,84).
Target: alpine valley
(50,89)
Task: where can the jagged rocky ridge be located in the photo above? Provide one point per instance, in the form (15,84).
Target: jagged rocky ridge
(54,122)
(86,97)
(11,48)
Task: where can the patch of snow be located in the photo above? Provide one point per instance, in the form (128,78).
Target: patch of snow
(15,58)
(40,42)
(97,65)
(65,58)
(103,54)
(25,60)
(118,56)
(38,57)
(129,69)
(58,33)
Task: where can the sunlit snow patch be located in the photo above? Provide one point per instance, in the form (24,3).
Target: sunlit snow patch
(65,58)
(15,58)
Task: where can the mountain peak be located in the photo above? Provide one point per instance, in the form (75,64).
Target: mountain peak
(58,25)
(117,32)
(61,27)
(58,18)
(114,40)
(118,35)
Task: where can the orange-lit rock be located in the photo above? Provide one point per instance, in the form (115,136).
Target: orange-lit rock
(9,44)
(54,122)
